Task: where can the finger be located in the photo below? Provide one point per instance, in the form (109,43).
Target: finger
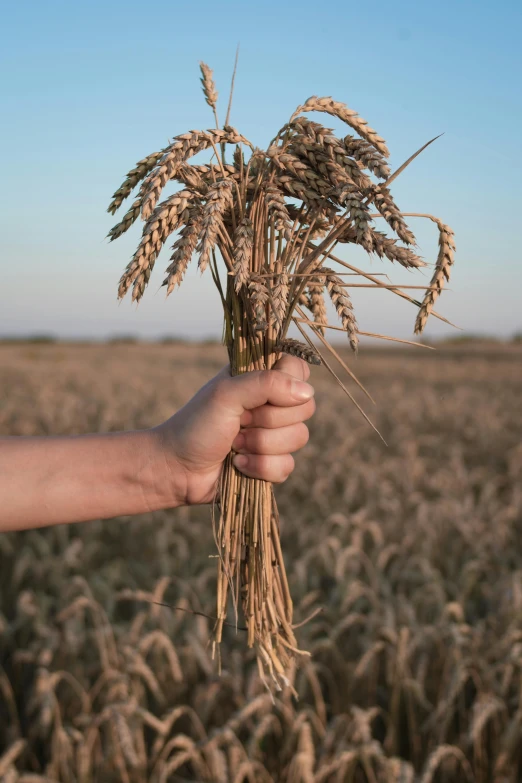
(269,468)
(270,417)
(252,389)
(293,366)
(283,440)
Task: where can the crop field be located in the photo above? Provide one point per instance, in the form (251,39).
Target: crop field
(404,562)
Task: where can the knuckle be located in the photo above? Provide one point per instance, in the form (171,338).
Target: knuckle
(266,380)
(302,369)
(219,389)
(281,379)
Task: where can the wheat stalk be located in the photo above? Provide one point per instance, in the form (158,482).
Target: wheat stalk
(267,257)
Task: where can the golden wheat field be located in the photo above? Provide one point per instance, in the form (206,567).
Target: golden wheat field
(412,552)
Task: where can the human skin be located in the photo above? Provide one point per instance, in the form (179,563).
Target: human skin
(259,415)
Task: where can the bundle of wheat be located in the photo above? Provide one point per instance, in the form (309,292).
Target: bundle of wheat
(239,214)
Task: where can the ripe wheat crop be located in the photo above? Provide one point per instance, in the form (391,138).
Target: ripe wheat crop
(407,559)
(266,226)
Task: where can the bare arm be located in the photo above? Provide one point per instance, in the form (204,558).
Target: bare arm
(47,481)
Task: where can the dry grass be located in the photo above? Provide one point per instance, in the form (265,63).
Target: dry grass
(412,553)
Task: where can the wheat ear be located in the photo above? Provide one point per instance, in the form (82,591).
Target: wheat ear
(243,252)
(182,148)
(135,175)
(209,88)
(219,198)
(343,305)
(183,248)
(164,221)
(316,303)
(391,213)
(259,298)
(279,299)
(349,116)
(297,348)
(442,272)
(371,159)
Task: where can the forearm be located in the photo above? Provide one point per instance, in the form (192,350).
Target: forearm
(48,481)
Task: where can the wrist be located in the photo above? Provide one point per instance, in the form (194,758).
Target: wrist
(164,479)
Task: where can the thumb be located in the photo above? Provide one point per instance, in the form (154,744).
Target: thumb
(253,389)
(293,366)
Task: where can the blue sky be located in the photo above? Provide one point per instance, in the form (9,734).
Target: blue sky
(88,88)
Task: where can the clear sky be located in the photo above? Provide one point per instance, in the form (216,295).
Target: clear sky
(88,88)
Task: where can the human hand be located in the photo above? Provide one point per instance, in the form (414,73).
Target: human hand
(259,415)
